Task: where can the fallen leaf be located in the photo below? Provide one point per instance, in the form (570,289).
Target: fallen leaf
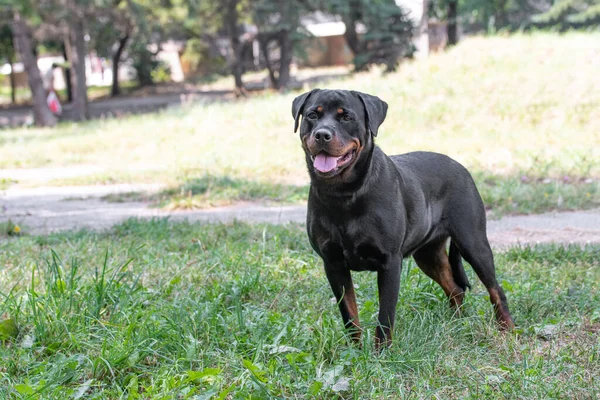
(341,385)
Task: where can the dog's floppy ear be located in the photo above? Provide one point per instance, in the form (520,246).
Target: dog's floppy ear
(298,106)
(375,109)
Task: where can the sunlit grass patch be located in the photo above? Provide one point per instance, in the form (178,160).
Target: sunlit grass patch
(502,195)
(501,105)
(211,191)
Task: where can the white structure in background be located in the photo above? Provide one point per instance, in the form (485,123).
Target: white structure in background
(169,54)
(417,12)
(97,74)
(44,64)
(328,45)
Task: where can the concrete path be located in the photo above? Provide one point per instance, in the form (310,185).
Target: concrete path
(51,209)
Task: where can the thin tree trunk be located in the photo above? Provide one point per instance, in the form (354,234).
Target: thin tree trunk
(350,35)
(236,46)
(264,47)
(76,49)
(286,59)
(423,30)
(501,18)
(452,22)
(67,75)
(42,114)
(13,84)
(116,88)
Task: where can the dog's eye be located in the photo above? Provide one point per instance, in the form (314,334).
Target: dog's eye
(347,117)
(311,115)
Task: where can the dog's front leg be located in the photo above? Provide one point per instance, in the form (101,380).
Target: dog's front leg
(388,283)
(341,283)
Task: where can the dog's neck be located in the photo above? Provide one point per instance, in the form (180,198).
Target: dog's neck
(347,187)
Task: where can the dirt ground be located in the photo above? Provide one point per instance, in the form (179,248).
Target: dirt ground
(49,209)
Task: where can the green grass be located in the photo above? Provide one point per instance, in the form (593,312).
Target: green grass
(518,111)
(504,195)
(501,195)
(209,191)
(517,104)
(6,183)
(159,310)
(22,94)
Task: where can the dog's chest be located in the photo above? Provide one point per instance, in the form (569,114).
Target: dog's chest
(361,244)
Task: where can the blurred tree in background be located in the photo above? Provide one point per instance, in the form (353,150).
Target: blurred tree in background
(388,31)
(278,22)
(376,32)
(491,16)
(23,18)
(8,55)
(570,14)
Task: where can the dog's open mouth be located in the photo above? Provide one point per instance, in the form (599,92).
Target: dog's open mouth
(324,162)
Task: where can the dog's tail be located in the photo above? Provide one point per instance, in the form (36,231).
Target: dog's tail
(458,271)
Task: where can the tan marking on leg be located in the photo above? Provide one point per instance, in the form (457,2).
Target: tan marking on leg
(502,315)
(349,300)
(434,262)
(454,292)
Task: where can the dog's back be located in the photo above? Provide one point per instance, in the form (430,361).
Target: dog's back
(438,177)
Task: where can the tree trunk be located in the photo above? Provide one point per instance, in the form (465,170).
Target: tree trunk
(500,14)
(452,22)
(286,52)
(13,85)
(264,47)
(351,36)
(116,88)
(350,22)
(42,114)
(76,50)
(423,30)
(67,75)
(236,46)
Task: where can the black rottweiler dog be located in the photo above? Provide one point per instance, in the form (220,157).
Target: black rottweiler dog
(368,211)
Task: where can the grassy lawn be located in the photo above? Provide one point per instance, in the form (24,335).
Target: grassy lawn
(22,94)
(521,112)
(162,311)
(502,195)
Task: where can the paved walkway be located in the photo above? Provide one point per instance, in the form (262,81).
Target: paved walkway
(51,209)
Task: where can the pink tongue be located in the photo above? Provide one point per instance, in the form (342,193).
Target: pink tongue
(325,163)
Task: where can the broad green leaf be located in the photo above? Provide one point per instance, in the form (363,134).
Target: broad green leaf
(24,389)
(195,375)
(8,329)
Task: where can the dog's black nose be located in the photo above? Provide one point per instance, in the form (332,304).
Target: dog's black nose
(322,135)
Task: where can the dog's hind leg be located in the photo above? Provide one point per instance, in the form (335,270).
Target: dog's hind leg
(433,260)
(477,252)
(466,223)
(458,270)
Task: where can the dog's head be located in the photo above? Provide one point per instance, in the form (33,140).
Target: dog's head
(337,130)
